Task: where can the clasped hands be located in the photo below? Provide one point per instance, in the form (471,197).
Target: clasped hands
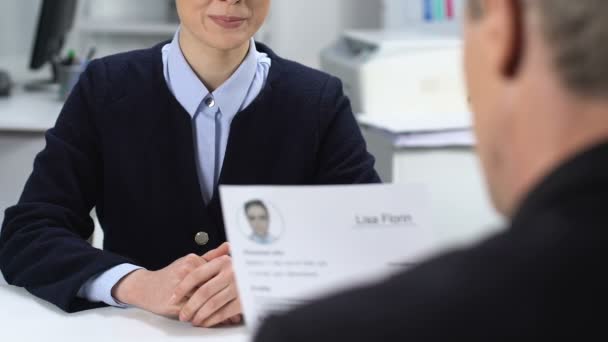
(196,289)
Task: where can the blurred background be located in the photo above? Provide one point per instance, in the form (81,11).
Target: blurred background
(296,29)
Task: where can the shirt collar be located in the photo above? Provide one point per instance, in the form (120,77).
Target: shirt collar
(190,91)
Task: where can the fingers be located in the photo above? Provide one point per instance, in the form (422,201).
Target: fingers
(236,319)
(189,263)
(214,304)
(209,291)
(224,249)
(199,276)
(226,312)
(193,260)
(172,311)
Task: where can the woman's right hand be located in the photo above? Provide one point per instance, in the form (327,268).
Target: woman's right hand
(152,290)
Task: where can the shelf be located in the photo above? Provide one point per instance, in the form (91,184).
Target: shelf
(130,28)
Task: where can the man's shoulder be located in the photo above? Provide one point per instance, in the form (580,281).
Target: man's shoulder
(541,277)
(428,301)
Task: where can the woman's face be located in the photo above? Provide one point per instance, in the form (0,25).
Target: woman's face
(258,219)
(222,24)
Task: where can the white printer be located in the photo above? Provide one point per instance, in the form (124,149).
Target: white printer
(395,72)
(409,86)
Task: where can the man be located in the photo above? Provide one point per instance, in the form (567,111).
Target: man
(259,221)
(537,74)
(146,138)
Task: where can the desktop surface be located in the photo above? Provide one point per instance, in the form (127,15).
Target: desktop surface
(29,112)
(26,318)
(23,111)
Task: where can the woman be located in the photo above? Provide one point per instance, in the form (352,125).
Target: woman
(145,138)
(258,218)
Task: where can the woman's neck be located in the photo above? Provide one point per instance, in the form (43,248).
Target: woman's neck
(212,66)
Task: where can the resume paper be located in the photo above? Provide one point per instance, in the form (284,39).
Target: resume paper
(290,245)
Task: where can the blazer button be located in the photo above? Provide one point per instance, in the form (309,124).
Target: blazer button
(201,238)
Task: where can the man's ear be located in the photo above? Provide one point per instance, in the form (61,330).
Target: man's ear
(504,34)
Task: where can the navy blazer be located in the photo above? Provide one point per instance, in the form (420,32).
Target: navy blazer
(124,146)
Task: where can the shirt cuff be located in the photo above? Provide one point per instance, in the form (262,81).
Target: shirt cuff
(99,287)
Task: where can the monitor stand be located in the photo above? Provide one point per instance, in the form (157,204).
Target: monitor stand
(5,83)
(43,85)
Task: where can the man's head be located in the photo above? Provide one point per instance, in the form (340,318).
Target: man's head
(258,218)
(222,24)
(537,76)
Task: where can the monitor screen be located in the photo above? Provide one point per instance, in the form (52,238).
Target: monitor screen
(55,21)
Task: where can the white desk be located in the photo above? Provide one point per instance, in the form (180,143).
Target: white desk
(27,112)
(26,318)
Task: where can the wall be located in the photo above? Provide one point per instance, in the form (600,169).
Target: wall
(300,29)
(138,10)
(17,25)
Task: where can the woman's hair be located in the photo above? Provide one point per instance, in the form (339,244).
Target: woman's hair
(255,203)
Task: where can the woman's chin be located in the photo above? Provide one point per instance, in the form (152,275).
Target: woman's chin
(229,41)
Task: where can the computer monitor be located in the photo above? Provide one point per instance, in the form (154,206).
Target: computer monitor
(54,23)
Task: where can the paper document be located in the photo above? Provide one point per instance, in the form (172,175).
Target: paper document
(453,138)
(292,244)
(415,122)
(417,130)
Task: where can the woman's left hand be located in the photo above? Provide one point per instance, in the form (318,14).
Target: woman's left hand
(214,296)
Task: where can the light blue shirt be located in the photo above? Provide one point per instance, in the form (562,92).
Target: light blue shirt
(262,240)
(211,114)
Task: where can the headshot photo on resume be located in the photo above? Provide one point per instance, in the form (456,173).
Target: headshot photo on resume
(258,218)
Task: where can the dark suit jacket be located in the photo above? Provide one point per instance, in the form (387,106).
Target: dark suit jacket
(544,278)
(124,145)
